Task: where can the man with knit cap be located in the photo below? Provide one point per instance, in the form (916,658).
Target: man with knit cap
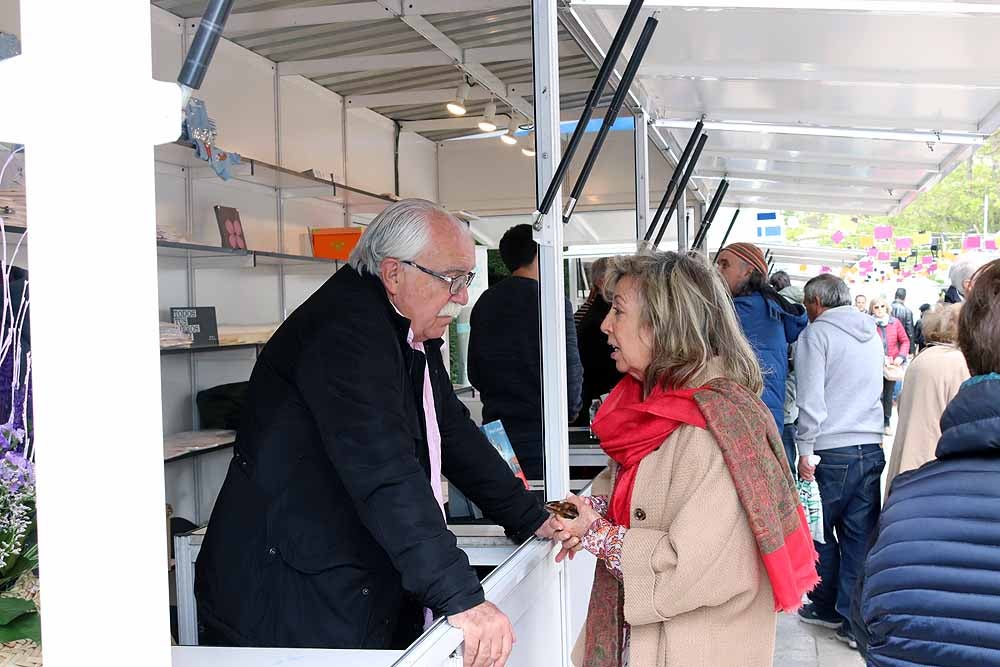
(838,368)
(770,321)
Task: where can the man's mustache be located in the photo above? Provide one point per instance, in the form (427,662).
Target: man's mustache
(451,309)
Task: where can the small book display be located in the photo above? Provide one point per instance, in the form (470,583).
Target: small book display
(230,227)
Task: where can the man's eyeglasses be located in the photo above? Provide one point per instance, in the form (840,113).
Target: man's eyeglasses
(455,283)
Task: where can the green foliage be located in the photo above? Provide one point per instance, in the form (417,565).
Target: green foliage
(25,626)
(496,270)
(12,608)
(953,206)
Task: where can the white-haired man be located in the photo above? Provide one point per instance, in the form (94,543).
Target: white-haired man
(329,529)
(962,274)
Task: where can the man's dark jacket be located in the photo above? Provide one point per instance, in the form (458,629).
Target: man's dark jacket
(600,375)
(505,365)
(931,588)
(326,532)
(902,313)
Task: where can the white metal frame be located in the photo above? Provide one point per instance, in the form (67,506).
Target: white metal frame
(641,138)
(74,389)
(549,235)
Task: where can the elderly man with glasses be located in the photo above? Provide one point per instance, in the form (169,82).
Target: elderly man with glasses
(329,530)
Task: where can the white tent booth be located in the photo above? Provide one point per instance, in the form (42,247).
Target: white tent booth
(852,107)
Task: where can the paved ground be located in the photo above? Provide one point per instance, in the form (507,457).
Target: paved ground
(801,645)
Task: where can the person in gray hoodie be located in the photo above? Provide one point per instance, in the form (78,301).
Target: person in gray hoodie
(838,363)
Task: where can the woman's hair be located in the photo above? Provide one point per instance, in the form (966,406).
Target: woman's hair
(691,317)
(879,301)
(979,322)
(779,280)
(940,325)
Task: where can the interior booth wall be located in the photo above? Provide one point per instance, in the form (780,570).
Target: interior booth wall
(284,120)
(491,178)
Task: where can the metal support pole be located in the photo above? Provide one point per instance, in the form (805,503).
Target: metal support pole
(545,47)
(550,250)
(729,229)
(609,118)
(641,137)
(683,243)
(73,388)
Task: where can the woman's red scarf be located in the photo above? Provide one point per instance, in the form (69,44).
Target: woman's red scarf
(631,427)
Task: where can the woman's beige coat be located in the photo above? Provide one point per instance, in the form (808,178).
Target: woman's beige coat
(696,591)
(931,381)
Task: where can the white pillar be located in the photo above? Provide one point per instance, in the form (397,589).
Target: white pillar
(550,255)
(549,234)
(82,101)
(683,241)
(641,137)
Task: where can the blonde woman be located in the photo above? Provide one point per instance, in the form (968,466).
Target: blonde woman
(702,538)
(896,344)
(932,380)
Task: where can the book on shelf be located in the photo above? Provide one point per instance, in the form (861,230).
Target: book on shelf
(198,321)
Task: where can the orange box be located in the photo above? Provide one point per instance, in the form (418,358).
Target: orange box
(334,242)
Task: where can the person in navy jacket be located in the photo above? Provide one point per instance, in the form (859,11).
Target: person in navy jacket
(931,591)
(770,321)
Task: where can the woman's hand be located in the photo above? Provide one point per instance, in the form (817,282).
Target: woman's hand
(570,531)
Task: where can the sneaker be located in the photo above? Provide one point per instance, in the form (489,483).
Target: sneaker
(813,616)
(845,635)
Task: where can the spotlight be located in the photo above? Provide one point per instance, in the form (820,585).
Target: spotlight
(508,137)
(457,106)
(528,149)
(488,123)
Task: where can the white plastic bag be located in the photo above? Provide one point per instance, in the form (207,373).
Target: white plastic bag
(812,504)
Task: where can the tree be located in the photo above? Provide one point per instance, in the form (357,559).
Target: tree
(953,206)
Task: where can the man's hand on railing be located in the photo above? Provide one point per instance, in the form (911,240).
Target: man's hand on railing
(489,636)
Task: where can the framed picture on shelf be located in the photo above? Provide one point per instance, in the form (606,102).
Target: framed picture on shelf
(230,227)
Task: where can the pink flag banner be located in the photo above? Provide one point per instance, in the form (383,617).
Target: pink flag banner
(972,243)
(991,244)
(865,265)
(873,251)
(838,237)
(927,259)
(883,232)
(904,243)
(931,268)
(884,256)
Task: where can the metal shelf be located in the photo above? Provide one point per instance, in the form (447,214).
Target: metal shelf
(257,172)
(209,348)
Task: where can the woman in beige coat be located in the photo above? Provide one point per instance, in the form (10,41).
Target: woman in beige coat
(931,381)
(683,579)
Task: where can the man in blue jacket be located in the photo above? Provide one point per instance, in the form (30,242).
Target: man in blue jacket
(931,591)
(770,322)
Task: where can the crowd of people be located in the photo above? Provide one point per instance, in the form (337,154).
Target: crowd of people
(720,385)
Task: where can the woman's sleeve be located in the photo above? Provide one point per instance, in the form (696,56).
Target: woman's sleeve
(708,557)
(604,540)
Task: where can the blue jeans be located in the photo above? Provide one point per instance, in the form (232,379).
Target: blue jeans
(848,480)
(788,440)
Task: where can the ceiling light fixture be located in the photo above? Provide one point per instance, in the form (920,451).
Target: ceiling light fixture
(508,137)
(457,106)
(963,139)
(489,121)
(528,149)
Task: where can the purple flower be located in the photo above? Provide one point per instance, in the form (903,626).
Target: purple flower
(16,472)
